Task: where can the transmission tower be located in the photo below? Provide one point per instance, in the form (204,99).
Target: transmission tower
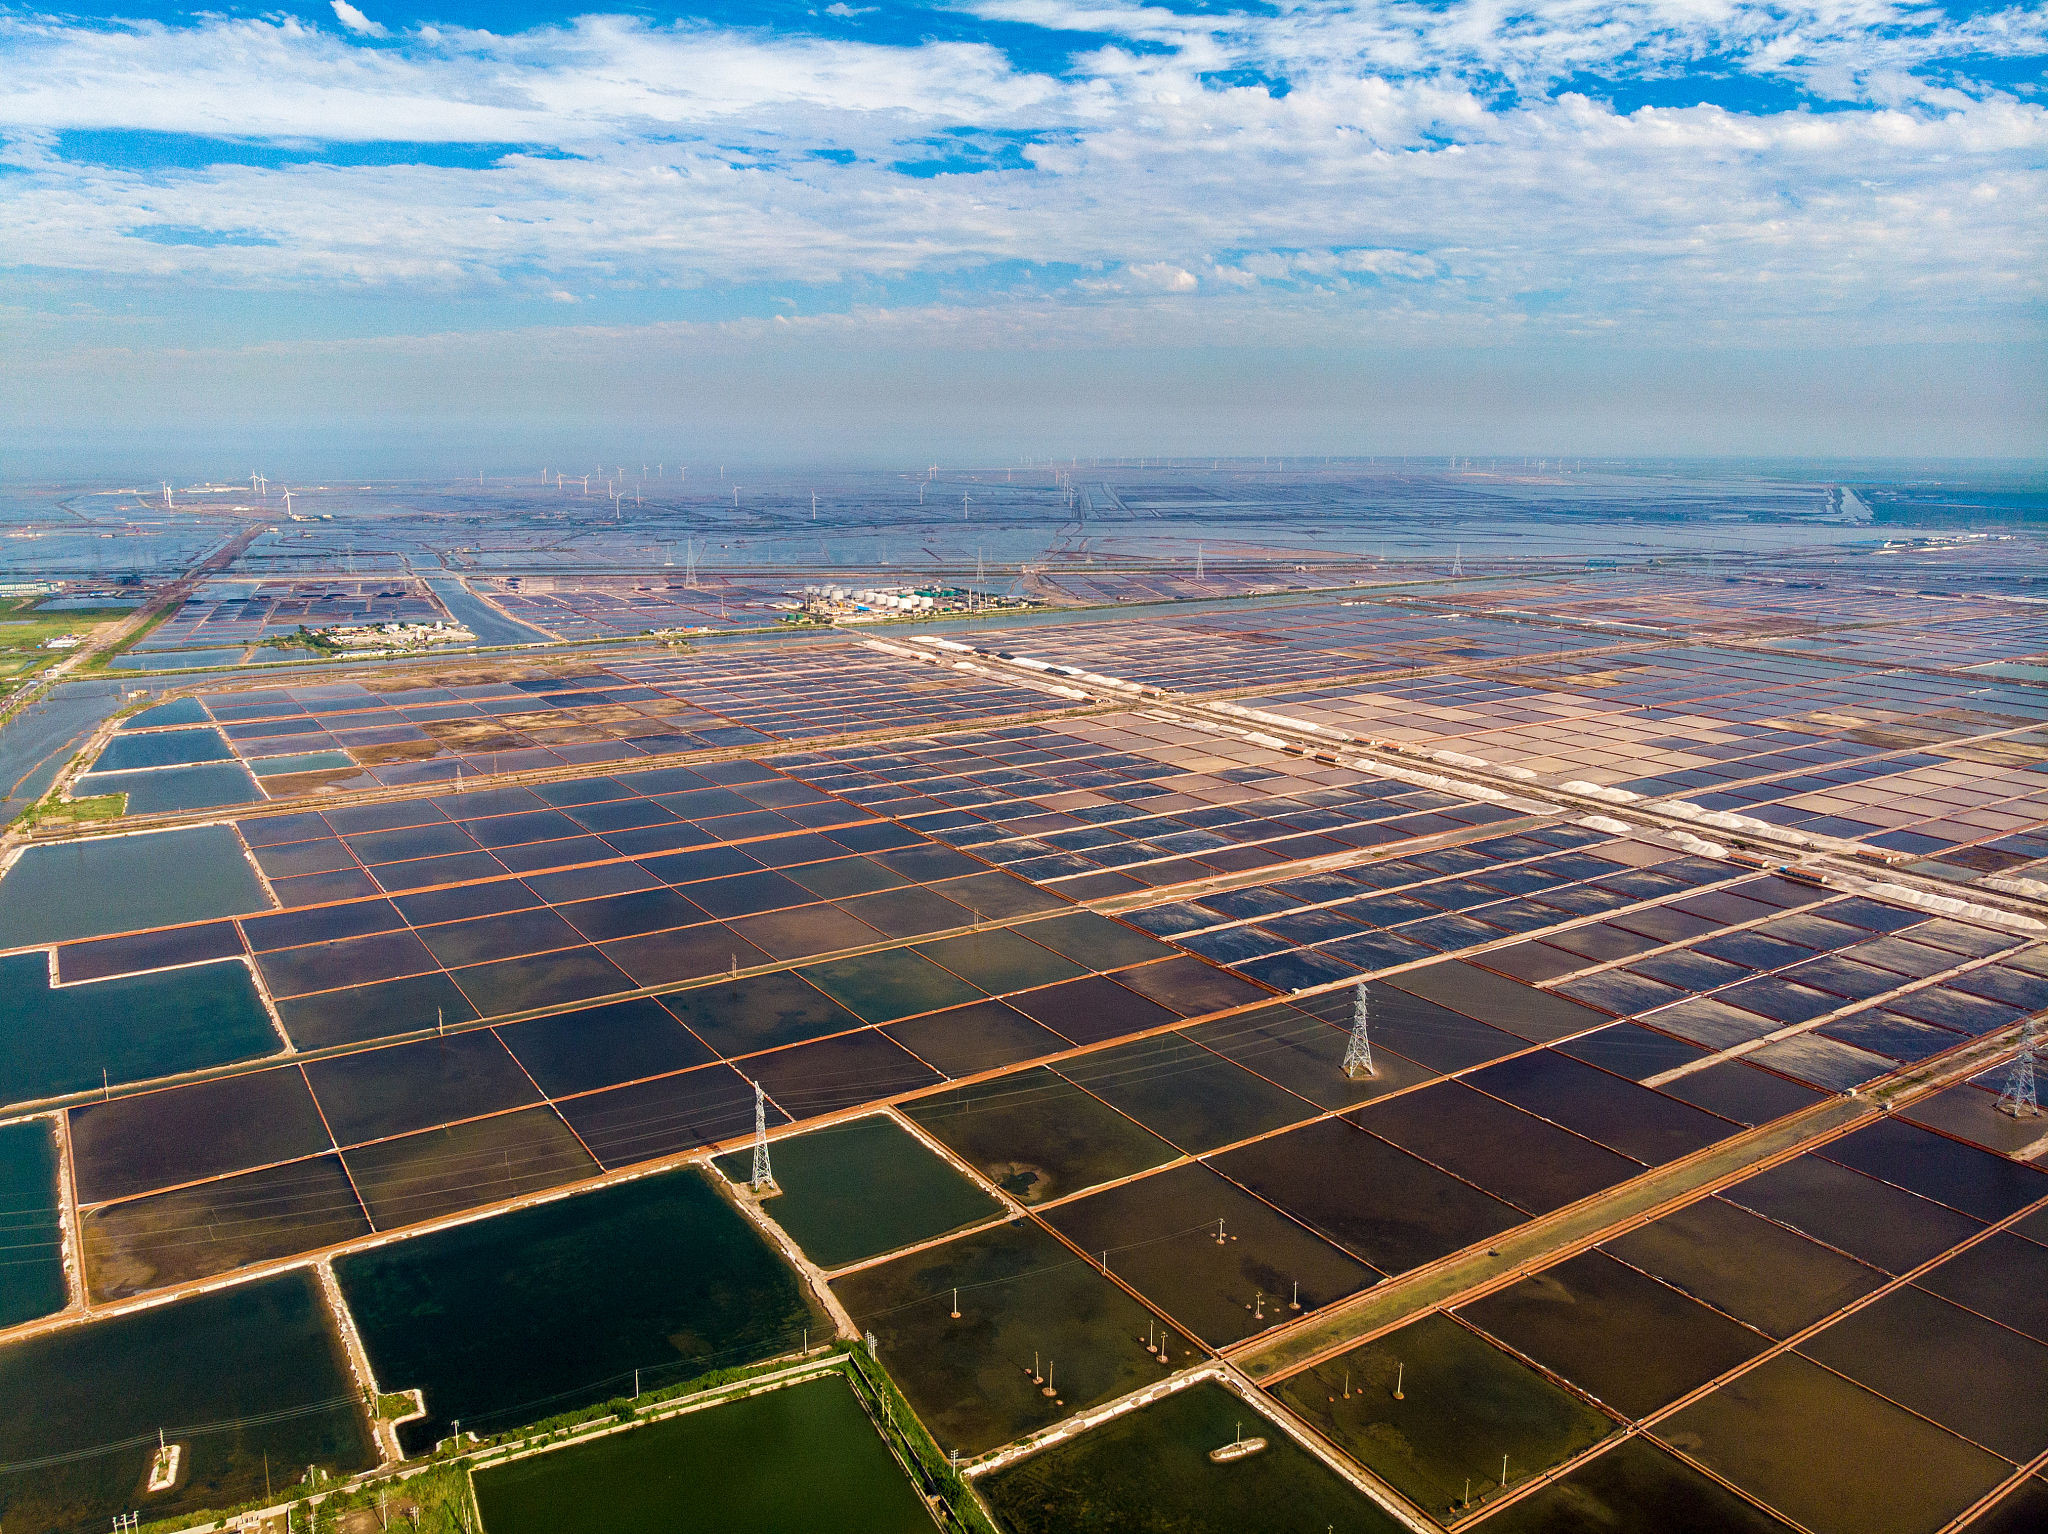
(764,1176)
(1358,1052)
(2019,1097)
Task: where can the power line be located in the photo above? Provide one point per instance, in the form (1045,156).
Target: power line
(226,1425)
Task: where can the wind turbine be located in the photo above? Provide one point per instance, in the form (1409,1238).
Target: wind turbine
(167,492)
(287,503)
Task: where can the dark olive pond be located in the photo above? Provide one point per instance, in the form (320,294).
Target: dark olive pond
(239,1376)
(858,1189)
(32,1272)
(1149,1472)
(518,1317)
(1463,1404)
(801,1458)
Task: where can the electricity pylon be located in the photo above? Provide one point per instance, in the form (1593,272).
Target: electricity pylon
(2019,1097)
(1358,1052)
(764,1175)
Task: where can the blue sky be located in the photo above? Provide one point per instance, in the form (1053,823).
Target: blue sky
(1824,214)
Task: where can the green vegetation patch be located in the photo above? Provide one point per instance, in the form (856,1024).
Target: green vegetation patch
(76,812)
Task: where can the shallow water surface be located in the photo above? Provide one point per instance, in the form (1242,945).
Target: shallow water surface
(801,1458)
(859,1189)
(236,1375)
(546,1309)
(132,1028)
(1149,1472)
(32,1276)
(108,884)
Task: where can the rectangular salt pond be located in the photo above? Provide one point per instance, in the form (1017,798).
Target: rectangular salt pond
(1149,1472)
(1024,1298)
(237,1375)
(132,1028)
(1634,1485)
(862,1188)
(176,660)
(32,1272)
(1834,1456)
(56,891)
(162,748)
(167,790)
(177,711)
(1615,1333)
(216,1227)
(1464,1402)
(521,1316)
(790,1461)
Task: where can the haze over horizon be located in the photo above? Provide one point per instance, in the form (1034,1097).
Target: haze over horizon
(999,228)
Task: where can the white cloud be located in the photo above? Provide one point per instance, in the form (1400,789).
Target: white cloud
(1162,277)
(1397,182)
(1387,263)
(356,21)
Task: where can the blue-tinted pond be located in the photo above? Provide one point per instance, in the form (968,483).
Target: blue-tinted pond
(32,1266)
(163,748)
(131,1028)
(62,890)
(166,789)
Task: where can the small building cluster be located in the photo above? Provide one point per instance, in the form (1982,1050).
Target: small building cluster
(398,636)
(866,604)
